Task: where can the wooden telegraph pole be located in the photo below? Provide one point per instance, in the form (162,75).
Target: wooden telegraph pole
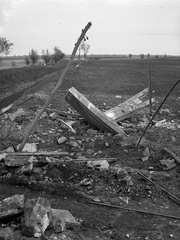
(56,87)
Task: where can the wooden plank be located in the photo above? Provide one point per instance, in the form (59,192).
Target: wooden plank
(130,106)
(63,113)
(54,153)
(92,114)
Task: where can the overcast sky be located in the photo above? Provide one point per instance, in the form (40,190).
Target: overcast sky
(118,26)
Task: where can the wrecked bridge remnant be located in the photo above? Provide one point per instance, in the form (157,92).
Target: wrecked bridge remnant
(129,107)
(107,120)
(92,114)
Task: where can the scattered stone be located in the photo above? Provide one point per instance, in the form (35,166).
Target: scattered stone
(91,132)
(72,138)
(79,142)
(99,152)
(80,157)
(54,116)
(118,137)
(11,207)
(37,170)
(6,234)
(2,156)
(66,216)
(99,164)
(19,113)
(26,169)
(122,174)
(62,140)
(37,217)
(17,161)
(118,96)
(9,150)
(167,124)
(44,115)
(146,154)
(89,151)
(58,224)
(168,163)
(74,144)
(14,202)
(86,182)
(143,142)
(29,147)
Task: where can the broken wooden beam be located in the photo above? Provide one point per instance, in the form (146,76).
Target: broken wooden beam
(63,113)
(92,114)
(36,153)
(129,107)
(93,159)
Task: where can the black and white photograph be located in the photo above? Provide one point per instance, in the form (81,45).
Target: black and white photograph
(89,119)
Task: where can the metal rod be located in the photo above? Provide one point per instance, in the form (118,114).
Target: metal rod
(172,196)
(135,210)
(156,112)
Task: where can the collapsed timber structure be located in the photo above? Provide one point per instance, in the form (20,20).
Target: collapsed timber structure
(109,119)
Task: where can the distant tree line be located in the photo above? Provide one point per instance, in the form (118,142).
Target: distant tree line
(48,57)
(142,56)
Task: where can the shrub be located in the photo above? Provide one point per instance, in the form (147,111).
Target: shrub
(33,55)
(27,60)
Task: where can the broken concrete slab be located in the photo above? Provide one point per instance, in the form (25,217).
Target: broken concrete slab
(129,107)
(14,202)
(92,114)
(37,217)
(6,233)
(66,216)
(16,161)
(11,207)
(29,147)
(19,113)
(98,164)
(168,164)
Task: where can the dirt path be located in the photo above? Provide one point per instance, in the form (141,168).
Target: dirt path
(36,86)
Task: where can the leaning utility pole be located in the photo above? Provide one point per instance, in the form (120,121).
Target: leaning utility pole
(56,87)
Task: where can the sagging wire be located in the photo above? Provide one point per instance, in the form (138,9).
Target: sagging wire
(157,112)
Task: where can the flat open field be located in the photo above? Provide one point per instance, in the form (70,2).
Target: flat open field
(64,184)
(15,62)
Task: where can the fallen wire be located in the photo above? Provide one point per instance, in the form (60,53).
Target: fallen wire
(156,112)
(172,196)
(135,210)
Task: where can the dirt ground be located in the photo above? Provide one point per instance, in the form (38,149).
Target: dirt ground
(73,185)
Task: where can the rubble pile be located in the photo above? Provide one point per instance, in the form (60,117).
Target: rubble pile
(69,156)
(22,218)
